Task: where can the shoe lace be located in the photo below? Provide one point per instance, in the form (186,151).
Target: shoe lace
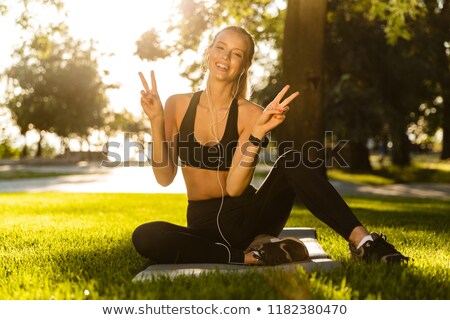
(381,242)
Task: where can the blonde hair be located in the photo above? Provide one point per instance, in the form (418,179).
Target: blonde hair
(243,89)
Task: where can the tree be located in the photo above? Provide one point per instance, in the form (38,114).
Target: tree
(303,51)
(55,85)
(125,122)
(7,150)
(375,80)
(438,30)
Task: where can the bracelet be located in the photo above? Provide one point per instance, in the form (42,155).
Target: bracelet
(258,142)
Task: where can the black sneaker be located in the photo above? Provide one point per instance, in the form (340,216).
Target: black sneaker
(377,249)
(285,250)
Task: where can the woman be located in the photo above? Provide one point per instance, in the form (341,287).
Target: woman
(217,134)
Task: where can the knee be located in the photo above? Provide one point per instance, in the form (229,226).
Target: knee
(145,238)
(290,159)
(300,161)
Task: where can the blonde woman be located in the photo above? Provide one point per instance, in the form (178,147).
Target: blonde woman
(217,134)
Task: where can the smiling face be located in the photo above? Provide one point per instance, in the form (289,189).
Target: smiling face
(228,56)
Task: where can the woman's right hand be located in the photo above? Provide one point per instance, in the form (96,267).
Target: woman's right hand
(150,101)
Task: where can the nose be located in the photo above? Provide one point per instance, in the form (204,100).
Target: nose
(226,54)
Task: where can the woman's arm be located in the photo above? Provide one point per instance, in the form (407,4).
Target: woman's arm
(163,132)
(244,159)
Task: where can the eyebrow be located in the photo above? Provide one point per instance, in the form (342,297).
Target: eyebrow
(227,46)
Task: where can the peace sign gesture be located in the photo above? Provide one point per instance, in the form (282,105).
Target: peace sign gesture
(150,101)
(275,113)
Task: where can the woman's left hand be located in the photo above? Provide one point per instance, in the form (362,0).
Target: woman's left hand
(275,113)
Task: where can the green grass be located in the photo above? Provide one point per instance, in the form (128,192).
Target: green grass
(78,246)
(392,174)
(362,178)
(423,169)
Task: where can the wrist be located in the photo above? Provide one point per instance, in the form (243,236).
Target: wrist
(262,143)
(258,133)
(158,120)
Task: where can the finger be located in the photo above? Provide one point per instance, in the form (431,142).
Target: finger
(144,82)
(145,97)
(154,87)
(289,99)
(272,111)
(284,110)
(281,94)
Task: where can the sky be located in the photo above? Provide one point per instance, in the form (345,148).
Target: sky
(114,26)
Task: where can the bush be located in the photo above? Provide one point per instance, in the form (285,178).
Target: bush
(7,151)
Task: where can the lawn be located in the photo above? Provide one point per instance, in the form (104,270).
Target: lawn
(423,169)
(77,246)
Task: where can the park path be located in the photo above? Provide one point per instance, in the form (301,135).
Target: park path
(93,178)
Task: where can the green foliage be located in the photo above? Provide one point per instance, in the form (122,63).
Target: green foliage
(396,14)
(55,85)
(56,246)
(148,46)
(7,151)
(390,85)
(125,121)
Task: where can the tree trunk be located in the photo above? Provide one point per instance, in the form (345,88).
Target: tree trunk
(65,146)
(400,145)
(445,154)
(89,154)
(39,149)
(441,24)
(303,52)
(24,152)
(359,157)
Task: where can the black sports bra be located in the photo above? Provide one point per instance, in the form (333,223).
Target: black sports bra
(215,157)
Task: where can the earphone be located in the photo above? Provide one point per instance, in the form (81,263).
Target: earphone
(219,146)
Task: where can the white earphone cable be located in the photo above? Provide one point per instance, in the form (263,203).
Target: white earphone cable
(219,146)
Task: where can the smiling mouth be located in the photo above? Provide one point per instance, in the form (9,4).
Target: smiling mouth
(222,66)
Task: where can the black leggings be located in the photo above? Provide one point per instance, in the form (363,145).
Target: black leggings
(223,239)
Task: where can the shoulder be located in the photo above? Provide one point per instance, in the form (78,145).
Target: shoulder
(249,113)
(178,100)
(249,110)
(176,106)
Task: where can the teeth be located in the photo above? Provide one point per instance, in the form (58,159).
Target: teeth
(222,66)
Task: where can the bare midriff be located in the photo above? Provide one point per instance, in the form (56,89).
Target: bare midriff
(203,184)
